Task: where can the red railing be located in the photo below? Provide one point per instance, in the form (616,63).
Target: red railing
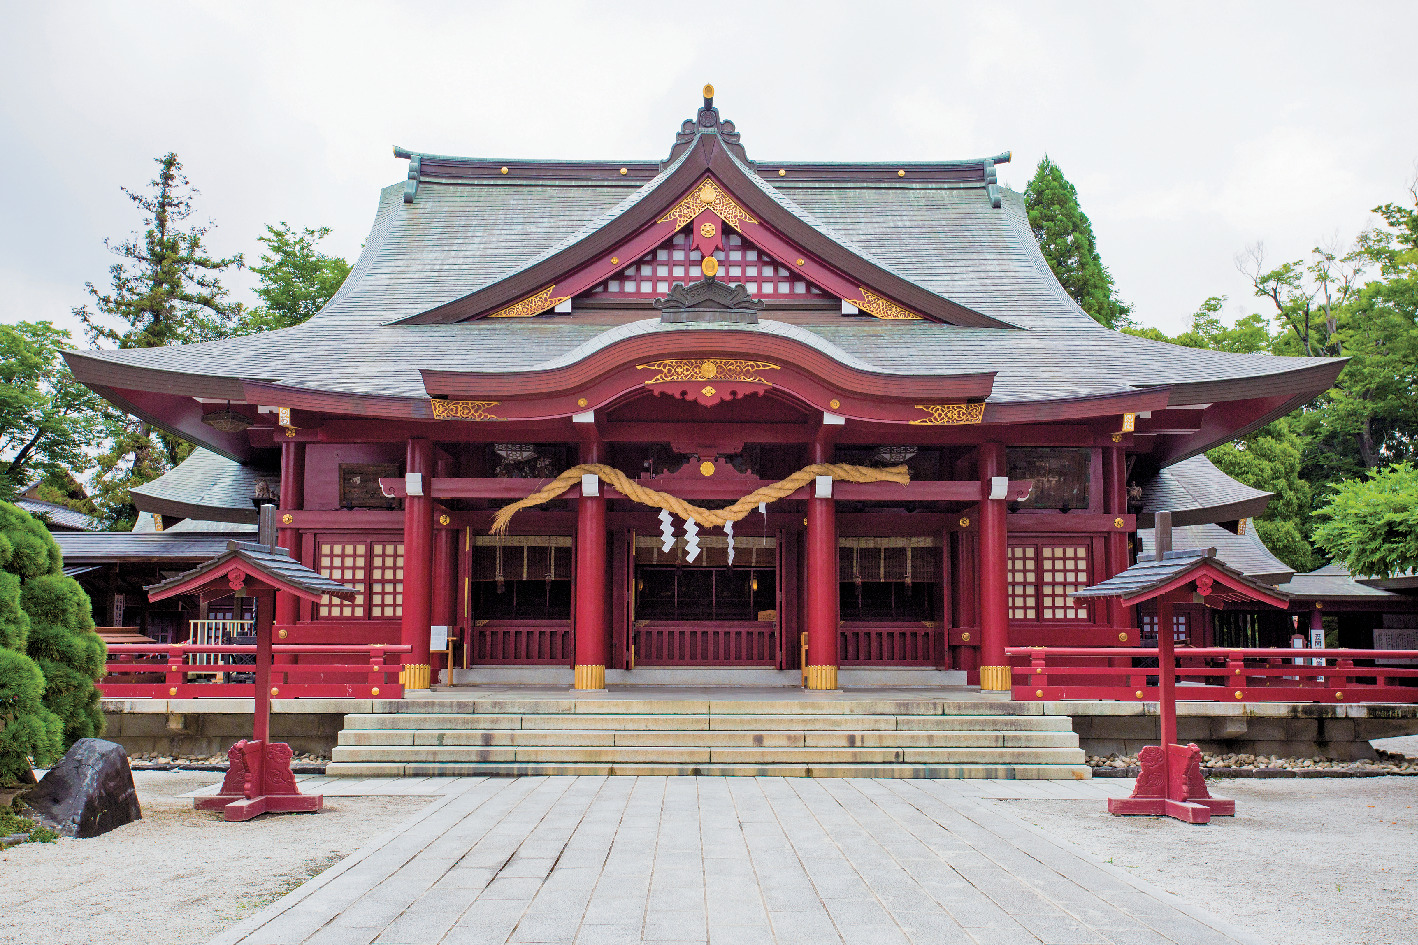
(163,671)
(668,643)
(1215,674)
(522,641)
(899,644)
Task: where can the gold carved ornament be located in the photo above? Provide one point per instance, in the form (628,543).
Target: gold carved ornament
(707,195)
(463,409)
(710,518)
(883,308)
(950,414)
(532,305)
(707,369)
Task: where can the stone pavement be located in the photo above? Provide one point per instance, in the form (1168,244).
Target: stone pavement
(592,860)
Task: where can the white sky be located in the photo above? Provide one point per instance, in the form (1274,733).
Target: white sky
(1190,130)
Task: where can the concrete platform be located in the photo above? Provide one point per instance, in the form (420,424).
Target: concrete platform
(718,677)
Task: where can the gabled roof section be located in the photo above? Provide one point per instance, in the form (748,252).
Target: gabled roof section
(707,177)
(203,486)
(1245,551)
(1148,579)
(1197,493)
(270,565)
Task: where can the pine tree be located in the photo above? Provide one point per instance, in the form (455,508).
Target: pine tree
(1066,237)
(166,289)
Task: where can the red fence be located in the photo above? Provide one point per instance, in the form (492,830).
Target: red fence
(896,644)
(522,641)
(1216,674)
(162,671)
(670,643)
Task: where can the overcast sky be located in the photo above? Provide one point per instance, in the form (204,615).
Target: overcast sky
(1190,130)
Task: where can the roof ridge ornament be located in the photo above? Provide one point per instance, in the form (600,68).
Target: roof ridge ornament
(708,300)
(707,121)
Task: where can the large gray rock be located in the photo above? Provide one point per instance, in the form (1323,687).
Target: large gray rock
(89,792)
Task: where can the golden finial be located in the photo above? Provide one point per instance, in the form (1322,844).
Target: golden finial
(708,92)
(710,266)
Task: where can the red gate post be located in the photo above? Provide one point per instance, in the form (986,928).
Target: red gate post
(994,573)
(258,778)
(418,563)
(822,593)
(590,617)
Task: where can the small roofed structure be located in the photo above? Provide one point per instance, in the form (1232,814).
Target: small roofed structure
(259,778)
(1171,782)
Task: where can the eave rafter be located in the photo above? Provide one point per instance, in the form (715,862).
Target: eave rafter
(708,187)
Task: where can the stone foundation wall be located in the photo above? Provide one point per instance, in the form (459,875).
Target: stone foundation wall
(196,728)
(1288,730)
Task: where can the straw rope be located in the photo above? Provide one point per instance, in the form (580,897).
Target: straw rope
(715,518)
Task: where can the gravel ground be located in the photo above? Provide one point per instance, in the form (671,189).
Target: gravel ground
(1303,861)
(177,876)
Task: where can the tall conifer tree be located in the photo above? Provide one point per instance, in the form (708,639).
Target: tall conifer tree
(1066,237)
(165,289)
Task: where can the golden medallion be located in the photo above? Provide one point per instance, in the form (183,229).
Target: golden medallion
(710,266)
(706,468)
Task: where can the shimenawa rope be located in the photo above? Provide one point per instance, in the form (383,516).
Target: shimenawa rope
(715,518)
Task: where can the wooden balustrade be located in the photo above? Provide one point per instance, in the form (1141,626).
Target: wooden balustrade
(891,644)
(527,642)
(1215,674)
(685,643)
(164,671)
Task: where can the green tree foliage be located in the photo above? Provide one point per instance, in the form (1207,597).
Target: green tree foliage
(1066,238)
(1269,459)
(1371,524)
(166,289)
(48,420)
(296,278)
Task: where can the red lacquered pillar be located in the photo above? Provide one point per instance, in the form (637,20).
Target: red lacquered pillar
(445,590)
(292,498)
(994,576)
(591,608)
(418,564)
(820,620)
(1166,676)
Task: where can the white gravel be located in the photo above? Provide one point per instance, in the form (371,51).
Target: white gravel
(1303,861)
(177,876)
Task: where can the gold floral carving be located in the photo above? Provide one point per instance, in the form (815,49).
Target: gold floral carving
(706,369)
(883,308)
(463,409)
(707,195)
(531,305)
(949,414)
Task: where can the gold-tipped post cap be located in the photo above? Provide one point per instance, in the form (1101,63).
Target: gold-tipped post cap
(708,95)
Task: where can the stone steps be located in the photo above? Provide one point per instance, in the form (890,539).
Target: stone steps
(790,738)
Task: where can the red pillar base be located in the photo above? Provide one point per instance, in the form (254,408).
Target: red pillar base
(259,781)
(1172,785)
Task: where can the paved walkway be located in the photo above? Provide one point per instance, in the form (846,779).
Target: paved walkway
(745,861)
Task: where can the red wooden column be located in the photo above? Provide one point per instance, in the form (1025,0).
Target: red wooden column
(591,606)
(418,563)
(821,617)
(292,498)
(445,575)
(994,575)
(1116,558)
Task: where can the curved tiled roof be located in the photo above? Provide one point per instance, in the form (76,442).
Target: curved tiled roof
(1197,493)
(204,486)
(1244,552)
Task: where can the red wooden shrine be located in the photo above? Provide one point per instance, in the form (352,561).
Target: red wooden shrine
(707,325)
(259,778)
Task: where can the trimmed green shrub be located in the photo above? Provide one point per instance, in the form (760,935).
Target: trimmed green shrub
(50,656)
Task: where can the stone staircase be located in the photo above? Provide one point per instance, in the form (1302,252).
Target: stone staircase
(731,737)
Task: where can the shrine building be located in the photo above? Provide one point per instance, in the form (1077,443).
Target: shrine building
(947,445)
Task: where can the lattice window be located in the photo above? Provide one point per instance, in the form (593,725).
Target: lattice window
(345,563)
(375,569)
(677,261)
(386,580)
(1181,630)
(1023,583)
(1065,570)
(1042,576)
